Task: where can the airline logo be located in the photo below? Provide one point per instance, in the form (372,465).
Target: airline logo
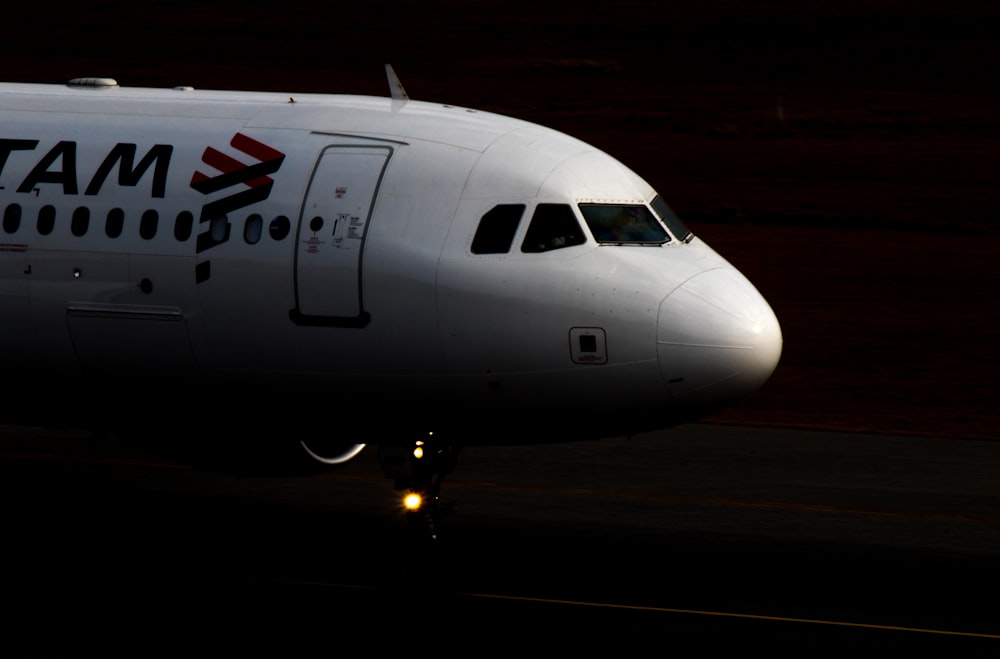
(239,183)
(58,167)
(246,183)
(252,183)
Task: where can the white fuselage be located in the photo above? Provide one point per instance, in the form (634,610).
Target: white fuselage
(310,258)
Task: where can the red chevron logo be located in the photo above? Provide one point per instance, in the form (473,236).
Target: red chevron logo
(233,171)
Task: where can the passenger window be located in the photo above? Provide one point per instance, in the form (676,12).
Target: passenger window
(12,218)
(147,225)
(218,228)
(80,222)
(183,226)
(115,223)
(496,229)
(252,229)
(553,226)
(46,219)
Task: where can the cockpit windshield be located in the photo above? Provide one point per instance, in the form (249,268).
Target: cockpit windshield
(674,223)
(617,224)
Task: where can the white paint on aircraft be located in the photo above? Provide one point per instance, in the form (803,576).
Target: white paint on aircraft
(352,266)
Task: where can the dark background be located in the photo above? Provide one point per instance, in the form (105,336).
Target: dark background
(842,154)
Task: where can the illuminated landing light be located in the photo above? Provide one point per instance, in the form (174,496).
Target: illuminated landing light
(418,452)
(413,501)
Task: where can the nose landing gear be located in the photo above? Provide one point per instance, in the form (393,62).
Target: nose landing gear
(419,469)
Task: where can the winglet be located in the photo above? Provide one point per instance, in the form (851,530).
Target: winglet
(395,86)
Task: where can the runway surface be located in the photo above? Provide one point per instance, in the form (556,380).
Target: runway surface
(707,534)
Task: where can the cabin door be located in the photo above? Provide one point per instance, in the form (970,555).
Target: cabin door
(331,235)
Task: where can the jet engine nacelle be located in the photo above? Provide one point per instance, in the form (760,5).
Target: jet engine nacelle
(330,452)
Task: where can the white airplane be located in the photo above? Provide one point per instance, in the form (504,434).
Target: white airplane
(331,271)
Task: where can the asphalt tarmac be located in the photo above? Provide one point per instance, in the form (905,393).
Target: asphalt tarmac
(703,536)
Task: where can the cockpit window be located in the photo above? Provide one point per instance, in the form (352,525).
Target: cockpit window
(669,218)
(497,228)
(632,224)
(553,226)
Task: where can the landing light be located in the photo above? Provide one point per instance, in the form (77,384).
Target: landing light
(412,501)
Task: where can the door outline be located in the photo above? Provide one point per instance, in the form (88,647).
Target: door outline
(348,263)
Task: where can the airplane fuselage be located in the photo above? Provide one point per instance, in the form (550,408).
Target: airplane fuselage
(349,262)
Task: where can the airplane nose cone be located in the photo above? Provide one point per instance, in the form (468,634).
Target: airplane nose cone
(717,339)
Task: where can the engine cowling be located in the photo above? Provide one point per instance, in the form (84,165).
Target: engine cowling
(330,452)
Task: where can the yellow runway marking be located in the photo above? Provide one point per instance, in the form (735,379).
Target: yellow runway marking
(745,616)
(642,608)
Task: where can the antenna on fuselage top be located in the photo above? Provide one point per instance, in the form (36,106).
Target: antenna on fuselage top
(396,90)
